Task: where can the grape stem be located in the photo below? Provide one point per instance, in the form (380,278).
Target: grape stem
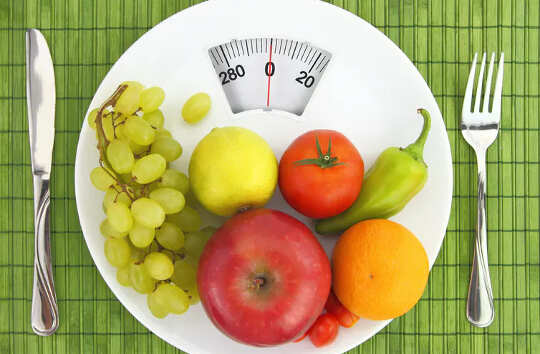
(103,142)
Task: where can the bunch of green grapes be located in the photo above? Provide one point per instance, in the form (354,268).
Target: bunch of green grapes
(152,237)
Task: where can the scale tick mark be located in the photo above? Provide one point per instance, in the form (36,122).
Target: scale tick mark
(324,66)
(316,60)
(224,56)
(317,68)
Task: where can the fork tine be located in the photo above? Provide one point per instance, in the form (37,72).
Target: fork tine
(469,90)
(485,108)
(498,88)
(479,87)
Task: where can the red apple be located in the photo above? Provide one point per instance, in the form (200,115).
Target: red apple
(263,278)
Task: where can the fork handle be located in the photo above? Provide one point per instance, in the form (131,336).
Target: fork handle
(44,307)
(480,309)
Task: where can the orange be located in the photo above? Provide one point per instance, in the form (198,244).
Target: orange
(380,269)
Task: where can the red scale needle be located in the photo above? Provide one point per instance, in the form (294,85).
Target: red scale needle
(269,75)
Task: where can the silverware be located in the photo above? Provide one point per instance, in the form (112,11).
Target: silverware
(480,128)
(41,97)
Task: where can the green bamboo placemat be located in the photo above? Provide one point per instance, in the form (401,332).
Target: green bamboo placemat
(87,36)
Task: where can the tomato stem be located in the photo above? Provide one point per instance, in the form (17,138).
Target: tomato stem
(323,160)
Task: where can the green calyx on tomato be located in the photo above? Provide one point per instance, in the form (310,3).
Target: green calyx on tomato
(323,160)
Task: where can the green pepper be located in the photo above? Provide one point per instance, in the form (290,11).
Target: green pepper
(397,176)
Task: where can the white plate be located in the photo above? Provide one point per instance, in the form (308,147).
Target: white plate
(370,91)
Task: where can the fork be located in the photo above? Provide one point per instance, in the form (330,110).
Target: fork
(480,128)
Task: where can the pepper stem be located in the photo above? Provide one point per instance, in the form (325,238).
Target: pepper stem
(416,149)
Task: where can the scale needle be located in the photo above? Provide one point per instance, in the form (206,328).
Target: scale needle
(269,73)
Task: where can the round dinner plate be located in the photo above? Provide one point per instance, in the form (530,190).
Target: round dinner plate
(370,91)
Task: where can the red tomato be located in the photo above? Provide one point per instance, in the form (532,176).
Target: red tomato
(324,330)
(345,317)
(320,173)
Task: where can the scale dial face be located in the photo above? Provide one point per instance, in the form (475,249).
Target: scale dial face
(268,73)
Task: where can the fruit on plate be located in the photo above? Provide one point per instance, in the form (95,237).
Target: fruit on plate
(320,173)
(380,269)
(140,193)
(231,169)
(345,317)
(324,331)
(196,107)
(396,177)
(263,278)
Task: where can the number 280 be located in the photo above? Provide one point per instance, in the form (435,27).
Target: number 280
(232,74)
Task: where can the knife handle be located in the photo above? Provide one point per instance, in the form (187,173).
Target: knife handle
(44,307)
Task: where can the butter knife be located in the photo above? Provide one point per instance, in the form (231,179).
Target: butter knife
(41,97)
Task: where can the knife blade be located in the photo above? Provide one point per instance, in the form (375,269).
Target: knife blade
(41,97)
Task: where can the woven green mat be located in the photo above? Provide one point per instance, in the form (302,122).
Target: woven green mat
(87,36)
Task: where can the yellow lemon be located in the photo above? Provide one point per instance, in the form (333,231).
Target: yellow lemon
(232,168)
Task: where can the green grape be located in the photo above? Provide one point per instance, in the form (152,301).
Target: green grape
(160,133)
(122,275)
(158,265)
(138,254)
(136,148)
(149,168)
(101,178)
(108,127)
(125,178)
(117,251)
(192,260)
(119,217)
(171,200)
(169,148)
(128,102)
(120,156)
(188,219)
(156,120)
(92,118)
(108,231)
(141,236)
(170,236)
(151,99)
(193,294)
(147,212)
(141,281)
(184,275)
(174,179)
(196,107)
(139,131)
(194,242)
(155,306)
(93,115)
(133,83)
(172,298)
(112,196)
(119,133)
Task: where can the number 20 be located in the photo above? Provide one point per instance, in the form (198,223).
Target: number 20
(305,79)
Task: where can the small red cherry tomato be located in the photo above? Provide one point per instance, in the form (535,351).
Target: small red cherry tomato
(324,330)
(345,317)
